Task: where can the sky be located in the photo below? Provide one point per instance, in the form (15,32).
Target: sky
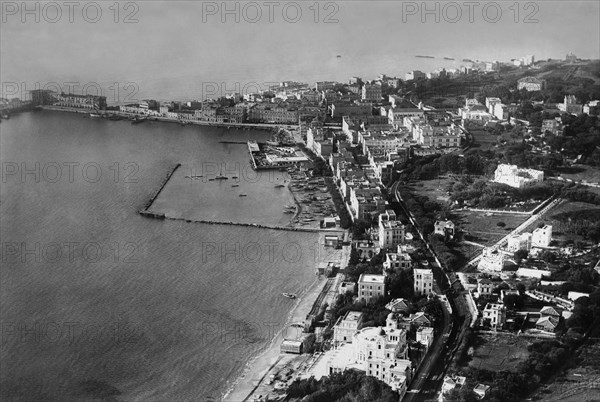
(186,49)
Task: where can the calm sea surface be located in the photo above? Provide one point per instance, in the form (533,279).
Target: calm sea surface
(97,300)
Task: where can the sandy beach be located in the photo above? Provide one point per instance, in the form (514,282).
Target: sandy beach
(260,365)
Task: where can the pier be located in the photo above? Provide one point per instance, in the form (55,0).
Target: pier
(144,211)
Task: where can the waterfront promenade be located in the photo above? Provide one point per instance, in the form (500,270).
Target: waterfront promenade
(108,113)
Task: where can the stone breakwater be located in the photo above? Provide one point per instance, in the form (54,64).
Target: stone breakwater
(149,214)
(155,215)
(144,210)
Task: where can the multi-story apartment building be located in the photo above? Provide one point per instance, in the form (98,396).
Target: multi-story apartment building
(391,231)
(370,287)
(541,237)
(423,281)
(340,109)
(345,327)
(47,97)
(366,201)
(519,242)
(266,113)
(371,92)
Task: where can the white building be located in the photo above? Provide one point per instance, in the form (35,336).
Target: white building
(519,242)
(391,231)
(423,281)
(370,287)
(425,336)
(398,260)
(346,326)
(379,352)
(496,313)
(542,237)
(515,177)
(492,259)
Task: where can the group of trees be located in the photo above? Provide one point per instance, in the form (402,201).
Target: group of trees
(474,162)
(349,386)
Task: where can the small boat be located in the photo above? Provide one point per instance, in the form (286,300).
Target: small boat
(221,178)
(138,121)
(235,185)
(243,195)
(289,295)
(94,115)
(279,185)
(339,56)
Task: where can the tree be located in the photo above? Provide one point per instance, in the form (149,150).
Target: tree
(520,255)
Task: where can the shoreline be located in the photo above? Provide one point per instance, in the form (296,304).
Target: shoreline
(126,116)
(259,365)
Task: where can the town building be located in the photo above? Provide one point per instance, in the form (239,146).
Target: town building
(553,126)
(570,105)
(391,231)
(588,107)
(423,281)
(484,286)
(519,242)
(371,92)
(398,306)
(370,287)
(513,176)
(398,260)
(542,237)
(444,228)
(547,323)
(481,390)
(414,75)
(496,314)
(379,352)
(492,259)
(346,327)
(531,84)
(425,336)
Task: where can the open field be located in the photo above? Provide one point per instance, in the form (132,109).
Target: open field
(500,352)
(482,139)
(435,189)
(482,228)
